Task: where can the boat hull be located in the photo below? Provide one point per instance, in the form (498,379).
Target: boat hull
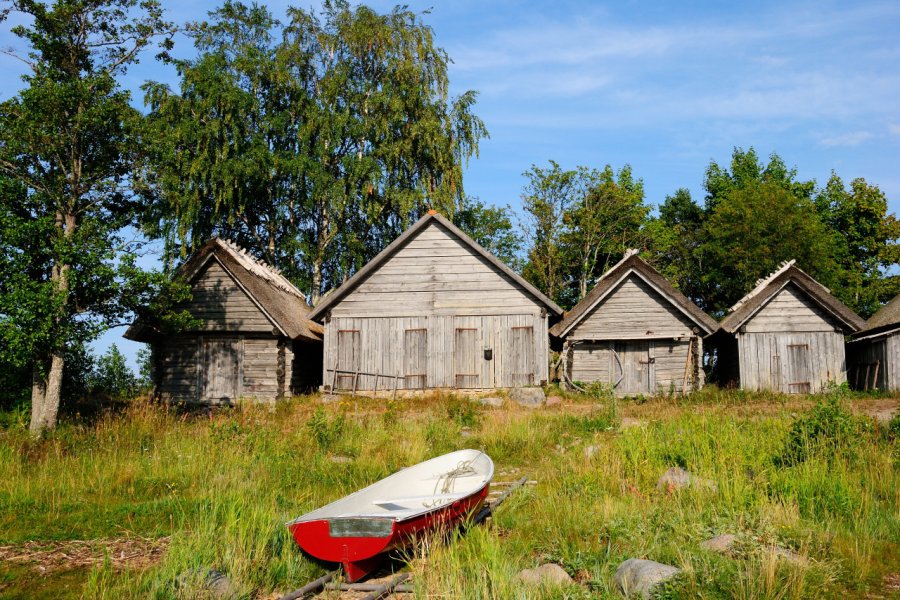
(358,543)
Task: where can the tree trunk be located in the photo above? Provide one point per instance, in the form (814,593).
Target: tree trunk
(54,391)
(316,291)
(38,399)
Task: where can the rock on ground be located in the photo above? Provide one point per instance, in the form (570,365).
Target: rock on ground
(677,478)
(548,573)
(628,423)
(494,401)
(789,556)
(529,397)
(722,544)
(329,398)
(638,577)
(590,451)
(554,401)
(341,460)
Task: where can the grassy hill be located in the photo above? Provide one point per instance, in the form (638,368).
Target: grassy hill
(143,502)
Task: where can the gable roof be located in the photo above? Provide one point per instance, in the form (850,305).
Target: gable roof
(767,287)
(885,321)
(431,217)
(632,263)
(275,296)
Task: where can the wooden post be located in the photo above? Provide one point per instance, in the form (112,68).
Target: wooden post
(334,380)
(396,380)
(868,366)
(875,376)
(355,382)
(375,392)
(687,366)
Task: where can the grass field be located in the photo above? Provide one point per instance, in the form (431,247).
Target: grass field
(139,504)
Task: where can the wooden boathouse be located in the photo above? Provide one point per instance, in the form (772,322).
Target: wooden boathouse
(435,310)
(634,332)
(254,340)
(787,334)
(874,352)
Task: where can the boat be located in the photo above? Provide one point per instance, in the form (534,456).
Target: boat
(389,514)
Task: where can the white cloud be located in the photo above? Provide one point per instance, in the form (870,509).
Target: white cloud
(853,138)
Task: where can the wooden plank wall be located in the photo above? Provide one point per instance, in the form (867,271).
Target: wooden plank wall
(383,340)
(260,369)
(435,274)
(222,305)
(892,362)
(862,358)
(594,362)
(766,360)
(633,310)
(438,285)
(790,311)
(176,361)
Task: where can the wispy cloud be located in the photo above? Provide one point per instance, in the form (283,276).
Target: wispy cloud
(853,138)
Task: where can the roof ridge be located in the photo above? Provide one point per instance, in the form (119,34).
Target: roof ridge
(762,282)
(259,267)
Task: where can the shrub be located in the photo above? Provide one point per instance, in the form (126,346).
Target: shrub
(828,430)
(326,431)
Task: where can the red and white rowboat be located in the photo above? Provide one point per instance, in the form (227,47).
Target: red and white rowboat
(390,513)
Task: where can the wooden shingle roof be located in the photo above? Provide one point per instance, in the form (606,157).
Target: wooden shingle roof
(276,297)
(885,321)
(767,287)
(632,263)
(334,297)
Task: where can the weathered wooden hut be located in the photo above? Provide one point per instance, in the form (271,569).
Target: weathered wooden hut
(255,340)
(435,310)
(634,332)
(874,352)
(787,334)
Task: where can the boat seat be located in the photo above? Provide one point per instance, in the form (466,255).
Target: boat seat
(414,499)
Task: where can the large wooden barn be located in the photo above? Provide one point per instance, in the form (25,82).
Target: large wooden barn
(874,352)
(254,341)
(435,310)
(635,332)
(787,334)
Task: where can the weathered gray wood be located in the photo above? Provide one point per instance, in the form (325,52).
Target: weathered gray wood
(797,362)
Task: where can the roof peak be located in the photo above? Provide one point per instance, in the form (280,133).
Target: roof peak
(259,267)
(762,282)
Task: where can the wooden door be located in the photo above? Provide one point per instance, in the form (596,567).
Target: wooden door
(798,371)
(348,359)
(634,367)
(518,359)
(467,357)
(415,356)
(220,370)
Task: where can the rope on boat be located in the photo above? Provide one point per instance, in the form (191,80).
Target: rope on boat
(446,483)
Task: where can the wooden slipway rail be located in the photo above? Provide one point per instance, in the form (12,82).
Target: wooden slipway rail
(397,584)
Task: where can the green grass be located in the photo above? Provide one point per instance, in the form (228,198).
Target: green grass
(223,485)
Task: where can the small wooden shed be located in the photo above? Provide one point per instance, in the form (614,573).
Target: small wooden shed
(255,340)
(635,332)
(874,352)
(787,334)
(435,310)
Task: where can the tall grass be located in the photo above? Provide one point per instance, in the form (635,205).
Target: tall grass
(223,485)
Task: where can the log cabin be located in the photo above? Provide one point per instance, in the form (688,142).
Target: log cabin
(254,340)
(635,333)
(874,352)
(435,310)
(787,334)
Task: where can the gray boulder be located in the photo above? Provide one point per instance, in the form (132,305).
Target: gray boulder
(341,460)
(722,544)
(590,451)
(638,577)
(529,397)
(549,573)
(492,401)
(677,478)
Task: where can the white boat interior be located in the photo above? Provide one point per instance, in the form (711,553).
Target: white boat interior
(414,490)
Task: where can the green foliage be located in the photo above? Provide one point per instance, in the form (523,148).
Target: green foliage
(578,223)
(828,430)
(462,411)
(112,376)
(491,227)
(325,430)
(312,143)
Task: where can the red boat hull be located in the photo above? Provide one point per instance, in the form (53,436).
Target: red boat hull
(360,555)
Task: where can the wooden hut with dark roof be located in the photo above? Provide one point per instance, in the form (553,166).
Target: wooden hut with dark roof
(255,340)
(787,334)
(874,352)
(435,310)
(635,332)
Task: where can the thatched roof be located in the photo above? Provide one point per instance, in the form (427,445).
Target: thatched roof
(276,297)
(332,298)
(884,321)
(632,263)
(767,287)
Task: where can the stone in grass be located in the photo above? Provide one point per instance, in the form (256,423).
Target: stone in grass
(341,460)
(722,544)
(329,398)
(529,397)
(628,423)
(215,582)
(554,401)
(590,451)
(638,577)
(789,556)
(492,401)
(548,573)
(677,478)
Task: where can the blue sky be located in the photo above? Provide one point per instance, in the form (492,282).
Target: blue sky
(661,86)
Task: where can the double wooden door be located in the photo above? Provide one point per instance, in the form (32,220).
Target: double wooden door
(633,367)
(493,351)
